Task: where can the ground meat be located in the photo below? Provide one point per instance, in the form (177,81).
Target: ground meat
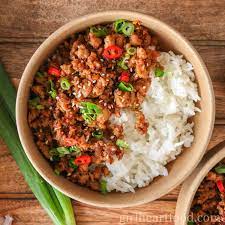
(209,201)
(141,124)
(94,41)
(70,113)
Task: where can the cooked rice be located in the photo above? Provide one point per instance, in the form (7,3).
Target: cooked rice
(168,105)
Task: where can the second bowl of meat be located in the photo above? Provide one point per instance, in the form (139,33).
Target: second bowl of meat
(201,200)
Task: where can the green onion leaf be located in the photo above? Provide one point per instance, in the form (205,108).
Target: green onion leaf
(191,223)
(89,111)
(98,134)
(35,103)
(52,90)
(57,172)
(128,29)
(72,164)
(125,87)
(60,151)
(118,24)
(220,169)
(122,63)
(159,72)
(39,74)
(99,31)
(121,143)
(65,84)
(103,186)
(131,50)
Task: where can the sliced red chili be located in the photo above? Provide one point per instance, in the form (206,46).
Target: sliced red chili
(83,159)
(124,77)
(220,186)
(54,71)
(112,52)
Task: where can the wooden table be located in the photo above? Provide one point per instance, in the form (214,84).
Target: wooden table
(24,24)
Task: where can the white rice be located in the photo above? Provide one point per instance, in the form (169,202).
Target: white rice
(169,103)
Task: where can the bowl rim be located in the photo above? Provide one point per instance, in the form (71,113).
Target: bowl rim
(192,183)
(53,37)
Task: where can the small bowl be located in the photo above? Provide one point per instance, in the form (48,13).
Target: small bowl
(190,186)
(178,169)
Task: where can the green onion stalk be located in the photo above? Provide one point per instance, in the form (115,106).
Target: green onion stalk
(57,205)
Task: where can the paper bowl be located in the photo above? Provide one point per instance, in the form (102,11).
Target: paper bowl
(178,169)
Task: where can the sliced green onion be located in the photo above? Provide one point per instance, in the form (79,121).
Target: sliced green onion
(159,72)
(191,223)
(72,164)
(99,31)
(125,87)
(121,143)
(128,28)
(52,90)
(118,24)
(57,172)
(39,74)
(131,50)
(74,149)
(65,84)
(98,134)
(220,169)
(89,111)
(122,63)
(35,103)
(60,151)
(103,186)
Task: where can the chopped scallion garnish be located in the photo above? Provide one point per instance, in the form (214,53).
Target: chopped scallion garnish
(220,169)
(35,103)
(103,186)
(121,143)
(98,134)
(65,84)
(99,31)
(125,87)
(72,164)
(90,111)
(159,72)
(52,90)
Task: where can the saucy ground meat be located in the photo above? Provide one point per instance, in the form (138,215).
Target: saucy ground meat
(89,77)
(208,206)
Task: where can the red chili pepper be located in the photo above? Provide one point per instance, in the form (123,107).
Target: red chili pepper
(124,77)
(220,186)
(83,159)
(54,71)
(68,142)
(112,52)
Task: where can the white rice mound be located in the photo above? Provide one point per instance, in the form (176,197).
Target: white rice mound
(169,103)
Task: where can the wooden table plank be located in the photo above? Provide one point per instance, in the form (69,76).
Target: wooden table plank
(197,20)
(30,213)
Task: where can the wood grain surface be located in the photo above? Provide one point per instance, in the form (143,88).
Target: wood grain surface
(24,24)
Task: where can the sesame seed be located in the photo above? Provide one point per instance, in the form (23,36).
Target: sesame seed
(57,98)
(102,60)
(105,104)
(112,137)
(94,81)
